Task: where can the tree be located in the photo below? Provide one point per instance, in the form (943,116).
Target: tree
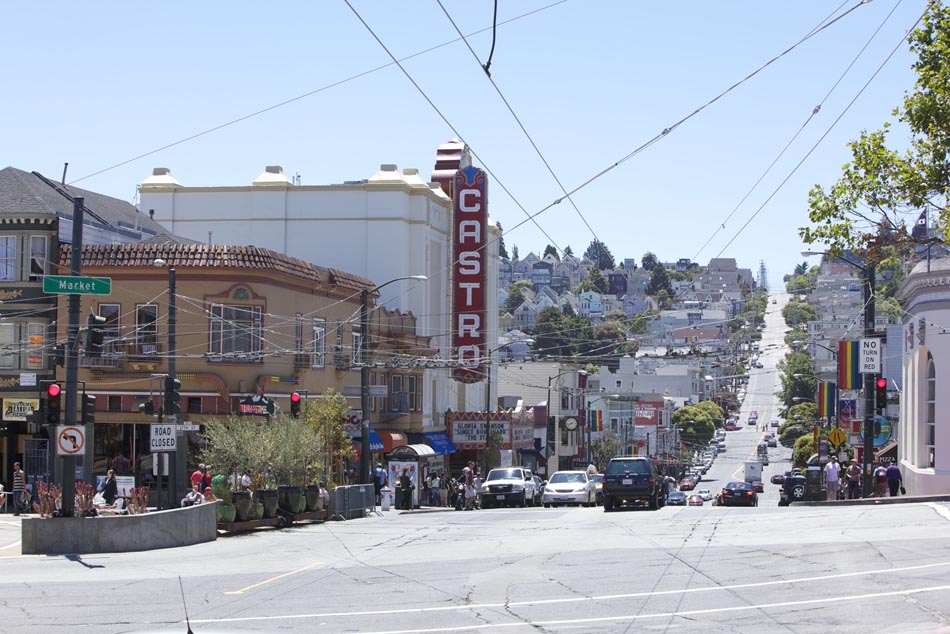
(882,192)
(597,280)
(568,251)
(716,415)
(659,281)
(514,253)
(605,448)
(502,251)
(696,425)
(648,261)
(600,255)
(551,250)
(796,364)
(325,415)
(727,400)
(796,313)
(549,339)
(801,269)
(516,295)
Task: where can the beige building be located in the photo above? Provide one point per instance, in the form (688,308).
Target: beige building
(250,323)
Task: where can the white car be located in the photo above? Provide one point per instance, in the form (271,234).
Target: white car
(511,486)
(569,487)
(706,494)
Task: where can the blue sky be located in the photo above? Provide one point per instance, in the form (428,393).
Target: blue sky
(98,84)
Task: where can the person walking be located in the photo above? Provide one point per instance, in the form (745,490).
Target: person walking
(20,499)
(895,481)
(468,476)
(879,477)
(380,477)
(832,470)
(854,479)
(405,485)
(110,490)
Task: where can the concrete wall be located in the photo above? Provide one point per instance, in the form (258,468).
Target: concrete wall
(122,533)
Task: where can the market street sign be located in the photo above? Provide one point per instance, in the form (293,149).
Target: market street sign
(77,285)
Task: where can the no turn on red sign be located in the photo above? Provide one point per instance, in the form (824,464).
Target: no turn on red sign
(870,352)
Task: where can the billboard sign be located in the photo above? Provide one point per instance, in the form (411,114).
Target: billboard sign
(469,268)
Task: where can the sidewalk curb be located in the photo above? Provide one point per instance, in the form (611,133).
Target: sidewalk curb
(901,499)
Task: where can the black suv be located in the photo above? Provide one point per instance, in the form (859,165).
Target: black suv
(630,481)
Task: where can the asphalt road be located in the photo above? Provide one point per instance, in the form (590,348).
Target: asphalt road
(802,569)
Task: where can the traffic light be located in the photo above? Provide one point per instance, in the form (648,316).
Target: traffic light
(172,397)
(54,403)
(59,354)
(88,409)
(880,393)
(295,405)
(147,408)
(94,335)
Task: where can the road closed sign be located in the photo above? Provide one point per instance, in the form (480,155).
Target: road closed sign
(162,438)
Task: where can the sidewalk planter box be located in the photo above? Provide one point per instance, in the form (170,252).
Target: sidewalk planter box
(288,498)
(267,497)
(119,533)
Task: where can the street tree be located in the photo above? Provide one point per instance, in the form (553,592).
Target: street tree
(549,335)
(649,261)
(883,194)
(797,376)
(502,251)
(796,313)
(604,448)
(551,250)
(659,281)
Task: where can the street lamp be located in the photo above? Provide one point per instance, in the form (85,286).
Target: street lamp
(608,398)
(364,371)
(557,428)
(177,456)
(868,273)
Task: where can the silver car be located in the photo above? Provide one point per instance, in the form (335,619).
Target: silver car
(569,487)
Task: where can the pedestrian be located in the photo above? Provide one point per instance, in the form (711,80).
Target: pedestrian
(895,481)
(468,477)
(110,490)
(405,485)
(832,470)
(21,498)
(854,479)
(197,477)
(435,490)
(879,476)
(380,477)
(192,497)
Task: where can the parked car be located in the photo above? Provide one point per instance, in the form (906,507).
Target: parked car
(772,442)
(758,487)
(776,423)
(778,478)
(508,486)
(568,487)
(632,480)
(676,498)
(687,484)
(694,500)
(738,494)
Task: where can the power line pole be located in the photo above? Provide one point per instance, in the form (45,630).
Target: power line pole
(72,363)
(869,381)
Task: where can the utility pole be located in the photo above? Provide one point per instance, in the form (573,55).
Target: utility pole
(72,362)
(869,381)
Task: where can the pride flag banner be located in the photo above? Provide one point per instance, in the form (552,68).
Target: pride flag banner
(849,376)
(826,399)
(598,420)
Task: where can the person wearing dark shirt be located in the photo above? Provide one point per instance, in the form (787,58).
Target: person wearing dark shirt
(895,480)
(110,490)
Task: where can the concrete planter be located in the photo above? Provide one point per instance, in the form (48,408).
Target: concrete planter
(121,533)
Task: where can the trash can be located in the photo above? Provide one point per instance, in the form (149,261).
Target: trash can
(384,496)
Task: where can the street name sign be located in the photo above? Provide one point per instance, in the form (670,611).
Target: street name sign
(77,285)
(162,438)
(870,355)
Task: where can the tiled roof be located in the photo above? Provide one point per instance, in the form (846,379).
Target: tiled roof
(185,256)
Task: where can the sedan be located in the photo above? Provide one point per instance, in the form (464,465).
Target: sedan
(758,487)
(569,487)
(676,498)
(778,478)
(706,494)
(687,484)
(695,500)
(738,494)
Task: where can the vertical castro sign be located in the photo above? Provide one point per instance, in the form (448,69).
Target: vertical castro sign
(470,242)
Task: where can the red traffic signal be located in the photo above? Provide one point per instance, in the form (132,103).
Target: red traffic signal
(881,383)
(53,403)
(880,393)
(295,404)
(53,390)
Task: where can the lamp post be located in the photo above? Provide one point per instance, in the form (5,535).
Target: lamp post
(869,378)
(608,398)
(557,429)
(364,371)
(177,456)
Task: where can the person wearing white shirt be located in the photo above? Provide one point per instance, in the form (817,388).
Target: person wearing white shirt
(832,469)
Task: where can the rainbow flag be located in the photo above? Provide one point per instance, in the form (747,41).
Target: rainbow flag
(598,420)
(826,399)
(849,378)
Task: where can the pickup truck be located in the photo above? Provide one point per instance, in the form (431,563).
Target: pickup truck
(630,481)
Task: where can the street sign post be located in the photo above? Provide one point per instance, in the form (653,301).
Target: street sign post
(870,359)
(77,285)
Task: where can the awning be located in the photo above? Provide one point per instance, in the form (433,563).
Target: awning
(410,452)
(391,440)
(441,443)
(375,442)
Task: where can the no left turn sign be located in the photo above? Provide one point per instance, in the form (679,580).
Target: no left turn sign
(70,440)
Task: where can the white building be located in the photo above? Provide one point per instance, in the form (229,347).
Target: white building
(393,224)
(924,428)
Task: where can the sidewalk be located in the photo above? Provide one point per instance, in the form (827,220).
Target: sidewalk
(900,499)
